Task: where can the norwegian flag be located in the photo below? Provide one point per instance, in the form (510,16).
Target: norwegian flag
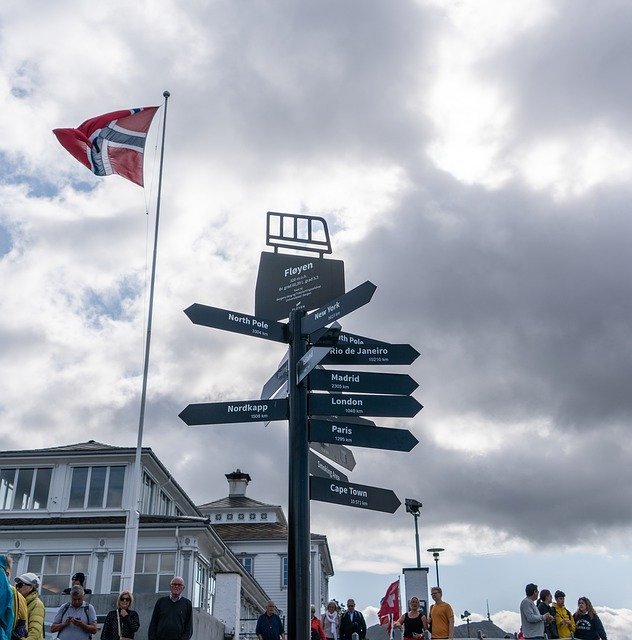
(111,143)
(389,606)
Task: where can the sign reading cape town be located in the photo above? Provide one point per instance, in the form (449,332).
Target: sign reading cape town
(353,495)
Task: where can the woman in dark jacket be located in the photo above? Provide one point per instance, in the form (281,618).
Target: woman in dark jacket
(122,618)
(544,606)
(587,623)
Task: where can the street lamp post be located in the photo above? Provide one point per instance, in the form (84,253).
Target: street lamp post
(435,551)
(414,506)
(466,616)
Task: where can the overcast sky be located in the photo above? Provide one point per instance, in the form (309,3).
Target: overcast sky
(472,160)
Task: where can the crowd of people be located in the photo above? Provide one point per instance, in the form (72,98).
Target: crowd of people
(540,615)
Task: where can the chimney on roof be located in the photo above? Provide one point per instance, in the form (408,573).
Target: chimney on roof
(237,483)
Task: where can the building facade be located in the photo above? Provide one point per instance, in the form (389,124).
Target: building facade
(257,534)
(64,509)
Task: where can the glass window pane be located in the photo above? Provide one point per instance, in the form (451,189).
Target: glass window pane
(23,488)
(65,565)
(81,564)
(50,564)
(54,583)
(42,485)
(163,583)
(97,487)
(7,480)
(151,563)
(78,487)
(145,583)
(34,564)
(117,562)
(116,584)
(168,562)
(115,487)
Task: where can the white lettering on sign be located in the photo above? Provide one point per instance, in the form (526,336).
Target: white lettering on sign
(376,351)
(346,430)
(250,408)
(236,318)
(335,488)
(294,271)
(337,377)
(348,402)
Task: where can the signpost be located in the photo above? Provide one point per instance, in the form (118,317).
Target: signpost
(353,495)
(351,404)
(358,435)
(361,382)
(319,467)
(326,422)
(230,412)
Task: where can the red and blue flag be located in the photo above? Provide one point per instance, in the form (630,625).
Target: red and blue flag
(111,143)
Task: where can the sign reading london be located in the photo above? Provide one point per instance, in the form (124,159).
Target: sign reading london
(340,404)
(353,495)
(240,411)
(237,322)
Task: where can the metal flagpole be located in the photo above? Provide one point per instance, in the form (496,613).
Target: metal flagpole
(133,513)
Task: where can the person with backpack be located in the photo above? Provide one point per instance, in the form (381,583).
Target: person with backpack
(75,620)
(563,617)
(317,632)
(28,584)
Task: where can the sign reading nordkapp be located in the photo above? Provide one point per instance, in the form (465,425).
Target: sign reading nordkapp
(286,282)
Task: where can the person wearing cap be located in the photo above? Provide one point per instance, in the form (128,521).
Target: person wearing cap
(28,584)
(532,620)
(78,579)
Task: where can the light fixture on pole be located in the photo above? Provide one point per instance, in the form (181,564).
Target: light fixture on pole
(466,616)
(435,551)
(414,507)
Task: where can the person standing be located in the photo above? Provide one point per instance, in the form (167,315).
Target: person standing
(532,620)
(75,620)
(269,624)
(544,606)
(172,618)
(78,580)
(440,616)
(331,621)
(588,625)
(6,599)
(564,620)
(351,622)
(28,584)
(18,606)
(122,622)
(414,621)
(317,632)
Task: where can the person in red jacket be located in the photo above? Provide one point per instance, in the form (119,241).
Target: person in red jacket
(317,627)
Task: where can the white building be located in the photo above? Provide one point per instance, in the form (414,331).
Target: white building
(257,534)
(63,510)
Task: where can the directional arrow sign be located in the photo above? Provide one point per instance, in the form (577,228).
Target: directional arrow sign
(339,307)
(362,382)
(356,435)
(276,381)
(353,495)
(237,322)
(309,361)
(318,467)
(372,353)
(338,404)
(348,340)
(239,411)
(340,455)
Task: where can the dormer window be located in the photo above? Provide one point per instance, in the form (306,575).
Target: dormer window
(96,487)
(24,488)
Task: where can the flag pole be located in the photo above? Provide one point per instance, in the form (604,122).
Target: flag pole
(130,543)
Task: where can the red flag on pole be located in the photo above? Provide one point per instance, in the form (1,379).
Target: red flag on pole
(111,143)
(389,606)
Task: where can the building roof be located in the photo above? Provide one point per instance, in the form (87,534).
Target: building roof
(251,531)
(235,502)
(90,445)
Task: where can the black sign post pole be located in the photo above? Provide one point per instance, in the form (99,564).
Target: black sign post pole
(298,490)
